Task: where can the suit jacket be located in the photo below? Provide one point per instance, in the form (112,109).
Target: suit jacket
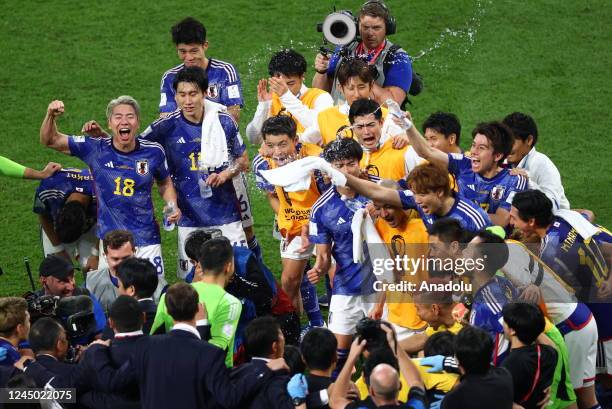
(120,351)
(273,394)
(178,370)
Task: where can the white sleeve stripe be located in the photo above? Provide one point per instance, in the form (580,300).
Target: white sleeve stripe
(321,201)
(472,214)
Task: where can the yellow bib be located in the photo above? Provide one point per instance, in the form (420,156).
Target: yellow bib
(386,162)
(307,99)
(331,120)
(412,242)
(294,209)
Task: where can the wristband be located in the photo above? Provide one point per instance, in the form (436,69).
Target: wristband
(55,249)
(321,72)
(202,322)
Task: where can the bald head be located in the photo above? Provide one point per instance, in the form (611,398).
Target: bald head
(384,384)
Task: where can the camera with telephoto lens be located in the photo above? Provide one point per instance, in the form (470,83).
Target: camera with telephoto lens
(370,330)
(40,305)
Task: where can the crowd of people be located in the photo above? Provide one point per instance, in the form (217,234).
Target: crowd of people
(452,279)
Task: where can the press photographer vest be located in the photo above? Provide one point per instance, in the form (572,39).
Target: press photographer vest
(379,63)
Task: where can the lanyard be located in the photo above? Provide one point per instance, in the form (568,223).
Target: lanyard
(372,54)
(536,378)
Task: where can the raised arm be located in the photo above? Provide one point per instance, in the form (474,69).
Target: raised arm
(374,191)
(422,148)
(321,80)
(49,135)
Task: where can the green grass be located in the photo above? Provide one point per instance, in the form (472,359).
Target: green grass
(483,60)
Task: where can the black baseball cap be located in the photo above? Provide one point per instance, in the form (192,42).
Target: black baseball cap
(56,266)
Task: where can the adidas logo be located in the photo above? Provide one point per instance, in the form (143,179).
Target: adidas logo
(109,164)
(181,140)
(340,221)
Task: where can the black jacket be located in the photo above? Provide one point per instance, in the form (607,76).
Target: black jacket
(273,394)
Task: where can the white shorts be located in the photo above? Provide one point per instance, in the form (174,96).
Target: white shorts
(582,351)
(232,231)
(242,194)
(345,311)
(604,357)
(79,250)
(290,249)
(152,252)
(403,333)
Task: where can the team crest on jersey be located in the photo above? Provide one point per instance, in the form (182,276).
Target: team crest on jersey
(398,245)
(498,192)
(213,91)
(142,167)
(372,170)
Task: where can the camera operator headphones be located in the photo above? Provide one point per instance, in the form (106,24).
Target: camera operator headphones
(390,23)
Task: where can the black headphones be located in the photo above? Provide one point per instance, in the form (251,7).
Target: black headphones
(390,24)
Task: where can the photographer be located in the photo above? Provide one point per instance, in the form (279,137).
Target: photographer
(57,279)
(392,62)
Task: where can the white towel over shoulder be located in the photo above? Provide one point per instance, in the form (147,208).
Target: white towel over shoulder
(214,143)
(584,228)
(363,229)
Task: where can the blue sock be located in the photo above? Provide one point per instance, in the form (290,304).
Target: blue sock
(311,303)
(255,247)
(342,356)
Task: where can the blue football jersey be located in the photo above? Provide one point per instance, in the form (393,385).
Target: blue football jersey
(53,191)
(471,217)
(182,142)
(486,313)
(580,263)
(224,86)
(123,183)
(490,194)
(330,223)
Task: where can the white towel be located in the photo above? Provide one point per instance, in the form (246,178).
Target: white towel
(214,144)
(364,230)
(584,228)
(296,176)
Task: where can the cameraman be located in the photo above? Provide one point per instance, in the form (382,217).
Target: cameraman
(57,279)
(392,62)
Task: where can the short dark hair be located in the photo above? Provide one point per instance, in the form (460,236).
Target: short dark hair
(117,238)
(319,348)
(445,123)
(126,314)
(493,250)
(362,107)
(379,355)
(526,319)
(287,62)
(356,67)
(522,125)
(182,302)
(279,125)
(215,254)
(193,75)
(534,204)
(342,149)
(499,135)
(70,221)
(447,229)
(259,336)
(440,343)
(44,334)
(194,242)
(140,273)
(293,358)
(473,349)
(188,31)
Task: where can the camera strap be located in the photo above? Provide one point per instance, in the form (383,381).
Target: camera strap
(536,378)
(372,54)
